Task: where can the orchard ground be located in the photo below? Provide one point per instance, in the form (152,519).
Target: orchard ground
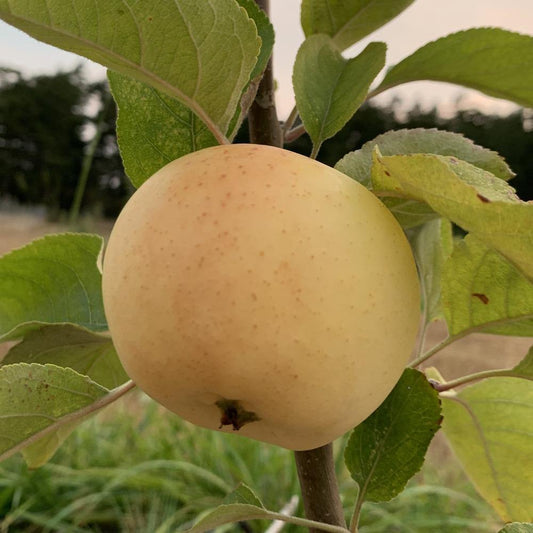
(476,352)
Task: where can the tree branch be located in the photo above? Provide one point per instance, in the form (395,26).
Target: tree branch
(263,123)
(320,491)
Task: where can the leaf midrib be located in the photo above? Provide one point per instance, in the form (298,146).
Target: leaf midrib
(486,450)
(149,75)
(382,445)
(354,17)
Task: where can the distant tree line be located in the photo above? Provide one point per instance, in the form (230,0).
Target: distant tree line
(46,125)
(47,122)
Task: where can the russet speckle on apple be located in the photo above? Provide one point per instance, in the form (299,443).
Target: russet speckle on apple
(253,290)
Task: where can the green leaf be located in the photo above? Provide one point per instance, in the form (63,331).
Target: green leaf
(37,399)
(69,346)
(472,198)
(227,514)
(489,427)
(432,245)
(265,31)
(518,527)
(408,212)
(243,494)
(388,448)
(524,369)
(153,129)
(492,60)
(41,451)
(239,512)
(328,88)
(52,280)
(201,53)
(482,291)
(358,164)
(348,22)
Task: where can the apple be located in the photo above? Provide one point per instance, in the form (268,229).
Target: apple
(254,290)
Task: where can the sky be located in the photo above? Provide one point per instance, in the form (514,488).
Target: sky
(423,21)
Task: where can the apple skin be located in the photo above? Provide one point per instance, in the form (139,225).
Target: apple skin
(250,279)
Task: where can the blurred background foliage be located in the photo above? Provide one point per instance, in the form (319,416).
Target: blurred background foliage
(136,468)
(47,123)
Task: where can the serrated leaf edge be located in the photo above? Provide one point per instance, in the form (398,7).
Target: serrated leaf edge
(383,86)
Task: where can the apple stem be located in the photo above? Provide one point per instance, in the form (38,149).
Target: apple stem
(263,123)
(320,490)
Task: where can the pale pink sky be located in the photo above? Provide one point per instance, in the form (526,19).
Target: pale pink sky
(423,21)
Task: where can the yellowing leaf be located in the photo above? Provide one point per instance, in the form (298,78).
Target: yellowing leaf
(489,427)
(481,290)
(358,164)
(525,367)
(471,197)
(410,212)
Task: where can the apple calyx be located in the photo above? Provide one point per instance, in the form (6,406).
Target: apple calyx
(234,414)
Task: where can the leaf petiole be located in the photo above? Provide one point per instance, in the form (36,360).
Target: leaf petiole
(295,133)
(480,328)
(354,522)
(289,123)
(316,149)
(500,372)
(431,352)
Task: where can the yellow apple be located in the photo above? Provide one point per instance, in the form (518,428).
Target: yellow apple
(253,290)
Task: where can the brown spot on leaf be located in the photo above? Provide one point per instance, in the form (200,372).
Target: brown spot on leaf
(484,199)
(483,297)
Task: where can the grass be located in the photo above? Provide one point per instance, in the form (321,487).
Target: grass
(138,469)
